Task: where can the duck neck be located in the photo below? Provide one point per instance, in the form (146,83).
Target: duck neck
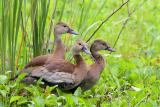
(80,70)
(99,60)
(78,59)
(60,48)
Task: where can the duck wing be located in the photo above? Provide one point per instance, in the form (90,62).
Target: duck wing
(64,80)
(38,61)
(60,66)
(58,72)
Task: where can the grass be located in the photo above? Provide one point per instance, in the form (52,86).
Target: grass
(131,77)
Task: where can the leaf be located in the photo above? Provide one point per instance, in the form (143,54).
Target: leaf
(48,89)
(40,82)
(78,92)
(70,100)
(51,100)
(135,88)
(3,93)
(61,100)
(15,98)
(60,93)
(3,79)
(23,101)
(20,77)
(39,101)
(91,27)
(1,104)
(8,72)
(153,78)
(34,90)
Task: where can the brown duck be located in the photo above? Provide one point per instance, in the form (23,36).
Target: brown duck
(59,53)
(94,70)
(61,72)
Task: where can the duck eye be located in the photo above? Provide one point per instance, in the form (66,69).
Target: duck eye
(64,26)
(104,44)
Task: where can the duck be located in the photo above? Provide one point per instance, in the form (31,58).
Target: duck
(61,72)
(59,53)
(95,69)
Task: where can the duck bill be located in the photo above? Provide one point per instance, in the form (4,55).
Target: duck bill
(71,31)
(110,49)
(86,51)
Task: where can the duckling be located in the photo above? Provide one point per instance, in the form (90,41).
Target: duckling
(59,53)
(61,72)
(94,70)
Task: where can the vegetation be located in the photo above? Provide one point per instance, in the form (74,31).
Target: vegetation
(131,77)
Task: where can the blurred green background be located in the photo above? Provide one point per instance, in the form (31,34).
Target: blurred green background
(131,77)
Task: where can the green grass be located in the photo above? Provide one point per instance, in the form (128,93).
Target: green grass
(131,77)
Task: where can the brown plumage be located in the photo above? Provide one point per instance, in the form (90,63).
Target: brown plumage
(94,70)
(59,53)
(60,72)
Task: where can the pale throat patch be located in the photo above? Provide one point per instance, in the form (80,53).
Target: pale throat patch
(57,38)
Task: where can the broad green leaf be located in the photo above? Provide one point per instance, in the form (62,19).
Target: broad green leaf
(3,79)
(48,89)
(51,100)
(3,93)
(20,77)
(22,101)
(78,92)
(135,88)
(15,98)
(39,101)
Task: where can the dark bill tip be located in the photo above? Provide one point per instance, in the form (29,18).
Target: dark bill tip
(110,49)
(86,51)
(71,31)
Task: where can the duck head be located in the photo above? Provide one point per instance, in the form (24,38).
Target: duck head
(62,28)
(80,46)
(101,45)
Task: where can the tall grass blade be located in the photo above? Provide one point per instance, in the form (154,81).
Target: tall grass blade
(35,37)
(3,38)
(62,10)
(81,15)
(51,24)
